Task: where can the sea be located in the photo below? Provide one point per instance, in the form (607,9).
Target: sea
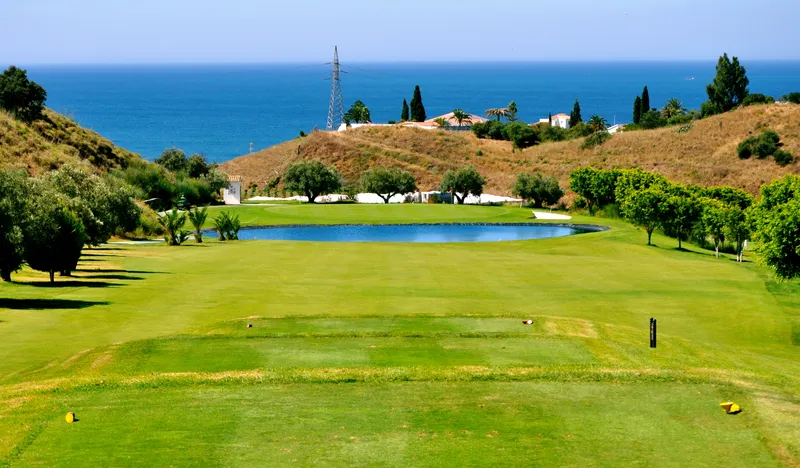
(222,111)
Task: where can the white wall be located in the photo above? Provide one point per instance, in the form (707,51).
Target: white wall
(233,194)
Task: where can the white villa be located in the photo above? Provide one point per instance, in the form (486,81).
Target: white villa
(558,120)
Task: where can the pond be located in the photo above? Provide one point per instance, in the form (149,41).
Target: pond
(414,232)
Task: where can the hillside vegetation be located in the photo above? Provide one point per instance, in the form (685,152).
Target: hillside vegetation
(705,154)
(53,141)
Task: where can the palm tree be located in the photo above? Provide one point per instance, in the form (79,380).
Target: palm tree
(172,222)
(498,113)
(358,113)
(442,122)
(461,117)
(597,123)
(198,217)
(673,108)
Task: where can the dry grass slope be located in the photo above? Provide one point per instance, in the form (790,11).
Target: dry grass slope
(704,155)
(54,141)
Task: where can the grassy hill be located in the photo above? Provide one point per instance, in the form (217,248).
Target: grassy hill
(53,141)
(704,155)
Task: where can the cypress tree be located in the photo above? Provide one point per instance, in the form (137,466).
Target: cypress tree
(645,101)
(550,118)
(417,109)
(404,113)
(575,115)
(637,110)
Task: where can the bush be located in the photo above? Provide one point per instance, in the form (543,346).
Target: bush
(783,157)
(652,119)
(794,98)
(521,135)
(596,139)
(767,144)
(548,132)
(757,98)
(579,203)
(745,147)
(579,130)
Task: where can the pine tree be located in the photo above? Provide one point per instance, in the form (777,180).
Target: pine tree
(645,107)
(729,87)
(637,110)
(404,113)
(417,109)
(575,115)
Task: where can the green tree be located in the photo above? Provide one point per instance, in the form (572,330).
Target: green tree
(173,160)
(21,97)
(645,100)
(312,179)
(404,114)
(597,123)
(737,229)
(13,212)
(729,88)
(652,119)
(637,110)
(597,186)
(198,217)
(575,115)
(497,113)
(460,116)
(680,214)
(643,208)
(512,111)
(173,222)
(387,183)
(794,97)
(464,182)
(713,221)
(630,181)
(538,188)
(53,235)
(197,166)
(775,221)
(730,196)
(358,113)
(673,108)
(417,108)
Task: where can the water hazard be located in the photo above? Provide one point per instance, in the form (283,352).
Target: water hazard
(413,232)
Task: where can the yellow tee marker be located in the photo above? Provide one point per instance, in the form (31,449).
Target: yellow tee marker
(731,407)
(70,417)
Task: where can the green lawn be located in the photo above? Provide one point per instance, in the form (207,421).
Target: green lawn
(401,354)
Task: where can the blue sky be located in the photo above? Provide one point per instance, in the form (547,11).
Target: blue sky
(178,31)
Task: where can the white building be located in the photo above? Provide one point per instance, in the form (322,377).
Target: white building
(615,128)
(558,120)
(232,194)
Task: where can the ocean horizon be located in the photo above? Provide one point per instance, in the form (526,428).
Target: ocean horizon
(219,109)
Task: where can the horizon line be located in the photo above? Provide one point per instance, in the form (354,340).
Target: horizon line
(381,62)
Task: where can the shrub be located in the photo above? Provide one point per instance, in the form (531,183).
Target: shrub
(783,157)
(745,147)
(227,226)
(579,203)
(579,130)
(794,98)
(767,144)
(596,139)
(757,98)
(652,119)
(521,135)
(173,222)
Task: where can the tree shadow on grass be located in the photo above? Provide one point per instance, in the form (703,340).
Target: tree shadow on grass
(46,304)
(70,284)
(114,276)
(117,270)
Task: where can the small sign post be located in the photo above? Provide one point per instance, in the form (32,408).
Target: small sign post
(653,332)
